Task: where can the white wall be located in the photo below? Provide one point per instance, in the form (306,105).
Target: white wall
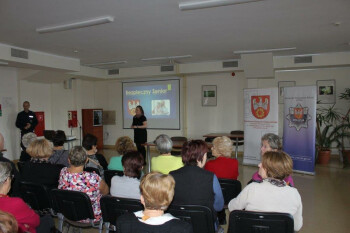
(9,103)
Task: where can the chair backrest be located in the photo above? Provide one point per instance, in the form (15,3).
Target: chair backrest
(200,217)
(110,173)
(92,169)
(230,189)
(179,139)
(237,132)
(37,196)
(260,222)
(73,205)
(113,207)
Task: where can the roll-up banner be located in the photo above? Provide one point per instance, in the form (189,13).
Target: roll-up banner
(260,117)
(299,130)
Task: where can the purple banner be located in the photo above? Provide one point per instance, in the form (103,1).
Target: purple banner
(299,129)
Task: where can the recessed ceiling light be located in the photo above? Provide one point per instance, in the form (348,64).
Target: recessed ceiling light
(75,51)
(166,58)
(106,63)
(336,24)
(195,5)
(263,50)
(76,25)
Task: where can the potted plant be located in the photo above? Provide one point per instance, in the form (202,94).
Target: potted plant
(327,132)
(345,130)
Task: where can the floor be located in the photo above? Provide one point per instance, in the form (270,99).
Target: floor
(325,196)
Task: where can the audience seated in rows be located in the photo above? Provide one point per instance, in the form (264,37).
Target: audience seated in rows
(27,139)
(60,155)
(94,160)
(271,142)
(127,186)
(194,185)
(39,170)
(122,145)
(272,194)
(165,162)
(26,218)
(76,179)
(8,223)
(223,166)
(157,191)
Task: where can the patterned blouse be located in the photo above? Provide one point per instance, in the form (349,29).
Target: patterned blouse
(85,182)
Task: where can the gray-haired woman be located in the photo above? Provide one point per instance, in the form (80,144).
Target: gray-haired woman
(165,162)
(75,178)
(26,218)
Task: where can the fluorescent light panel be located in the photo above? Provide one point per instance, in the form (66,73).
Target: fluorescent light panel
(2,63)
(166,58)
(194,5)
(80,24)
(263,50)
(106,63)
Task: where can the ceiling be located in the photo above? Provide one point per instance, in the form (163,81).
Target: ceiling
(157,28)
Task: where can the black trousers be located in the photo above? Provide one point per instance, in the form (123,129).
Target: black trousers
(142,150)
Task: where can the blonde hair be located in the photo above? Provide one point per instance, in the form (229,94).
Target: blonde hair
(40,148)
(124,144)
(277,164)
(223,145)
(8,223)
(157,190)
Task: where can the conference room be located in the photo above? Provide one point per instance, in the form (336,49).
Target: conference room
(197,64)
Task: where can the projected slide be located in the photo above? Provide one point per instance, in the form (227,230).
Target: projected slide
(160,101)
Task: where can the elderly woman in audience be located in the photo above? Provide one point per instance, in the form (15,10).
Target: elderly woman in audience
(39,169)
(127,186)
(8,223)
(270,142)
(223,166)
(157,191)
(122,145)
(165,162)
(76,179)
(272,194)
(27,139)
(195,185)
(60,155)
(27,219)
(15,190)
(95,160)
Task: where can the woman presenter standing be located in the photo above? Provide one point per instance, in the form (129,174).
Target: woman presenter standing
(139,124)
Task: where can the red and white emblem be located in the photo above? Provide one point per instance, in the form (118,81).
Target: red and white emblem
(132,104)
(299,112)
(260,106)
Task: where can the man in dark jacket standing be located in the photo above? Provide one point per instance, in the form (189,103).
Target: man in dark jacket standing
(26,120)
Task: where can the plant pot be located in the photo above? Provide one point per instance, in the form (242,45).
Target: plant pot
(324,156)
(346,154)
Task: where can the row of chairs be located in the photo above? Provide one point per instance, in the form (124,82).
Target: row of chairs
(72,206)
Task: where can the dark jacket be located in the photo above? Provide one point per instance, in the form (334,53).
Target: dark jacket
(26,117)
(42,173)
(194,186)
(130,223)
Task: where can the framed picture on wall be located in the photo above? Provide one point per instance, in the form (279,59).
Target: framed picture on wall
(209,95)
(281,86)
(326,91)
(97,117)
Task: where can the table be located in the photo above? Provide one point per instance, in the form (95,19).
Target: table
(176,145)
(70,142)
(236,137)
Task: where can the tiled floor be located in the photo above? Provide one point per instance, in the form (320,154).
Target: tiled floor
(325,196)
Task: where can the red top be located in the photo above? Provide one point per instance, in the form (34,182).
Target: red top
(223,167)
(26,218)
